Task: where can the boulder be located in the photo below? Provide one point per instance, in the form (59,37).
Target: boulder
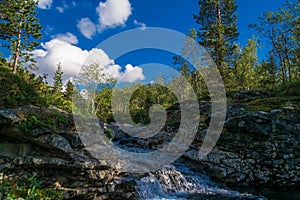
(255,148)
(44,143)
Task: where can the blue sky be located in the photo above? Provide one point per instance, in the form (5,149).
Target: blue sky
(72,28)
(173,14)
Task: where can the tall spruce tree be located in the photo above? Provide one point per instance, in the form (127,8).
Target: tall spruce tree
(19,28)
(69,90)
(218,30)
(58,83)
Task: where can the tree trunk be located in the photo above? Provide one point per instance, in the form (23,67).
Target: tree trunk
(18,47)
(280,56)
(219,43)
(219,12)
(286,56)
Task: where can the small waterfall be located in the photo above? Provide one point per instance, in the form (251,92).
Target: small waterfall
(179,182)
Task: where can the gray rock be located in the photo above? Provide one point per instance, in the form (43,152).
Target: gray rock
(118,134)
(7,116)
(276,111)
(247,95)
(255,148)
(57,157)
(54,141)
(12,150)
(251,122)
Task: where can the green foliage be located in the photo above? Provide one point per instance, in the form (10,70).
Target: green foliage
(19,90)
(268,71)
(145,97)
(289,89)
(281,29)
(271,103)
(246,67)
(19,29)
(280,96)
(51,120)
(217,33)
(28,124)
(59,101)
(3,61)
(109,133)
(142,99)
(194,76)
(103,105)
(29,189)
(69,90)
(57,80)
(55,96)
(97,84)
(26,88)
(218,30)
(240,68)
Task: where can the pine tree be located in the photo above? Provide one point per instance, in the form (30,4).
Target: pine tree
(58,84)
(19,27)
(268,71)
(69,90)
(218,30)
(246,66)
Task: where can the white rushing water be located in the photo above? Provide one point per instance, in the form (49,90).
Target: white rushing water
(180,183)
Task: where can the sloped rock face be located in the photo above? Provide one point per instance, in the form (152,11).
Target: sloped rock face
(255,148)
(248,95)
(49,147)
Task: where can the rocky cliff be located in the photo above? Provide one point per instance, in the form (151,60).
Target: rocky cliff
(43,143)
(255,149)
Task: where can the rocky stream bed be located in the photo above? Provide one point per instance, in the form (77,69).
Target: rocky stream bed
(256,150)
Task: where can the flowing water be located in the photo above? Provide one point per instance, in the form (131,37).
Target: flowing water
(179,182)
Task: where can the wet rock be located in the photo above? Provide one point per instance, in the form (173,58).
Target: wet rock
(118,134)
(255,148)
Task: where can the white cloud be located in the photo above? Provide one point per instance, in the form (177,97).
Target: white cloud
(61,49)
(45,4)
(132,74)
(62,8)
(113,13)
(48,29)
(87,27)
(141,25)
(68,37)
